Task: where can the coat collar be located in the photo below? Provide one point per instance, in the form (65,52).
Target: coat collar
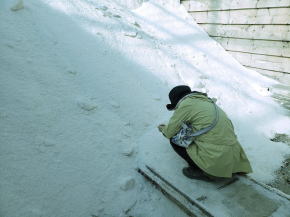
(183,98)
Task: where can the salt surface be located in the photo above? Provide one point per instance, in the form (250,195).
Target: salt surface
(78,93)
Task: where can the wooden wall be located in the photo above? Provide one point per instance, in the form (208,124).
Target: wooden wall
(255,32)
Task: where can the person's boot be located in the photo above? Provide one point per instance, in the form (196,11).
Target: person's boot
(194,173)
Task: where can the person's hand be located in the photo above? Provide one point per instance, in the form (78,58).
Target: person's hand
(160,127)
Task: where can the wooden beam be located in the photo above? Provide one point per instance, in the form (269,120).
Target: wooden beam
(271,48)
(206,5)
(273,16)
(264,32)
(190,206)
(278,64)
(247,52)
(269,71)
(280,76)
(257,39)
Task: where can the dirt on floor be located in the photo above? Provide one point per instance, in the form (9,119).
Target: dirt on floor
(282,181)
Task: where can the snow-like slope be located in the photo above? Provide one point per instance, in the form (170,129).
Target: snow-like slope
(83,80)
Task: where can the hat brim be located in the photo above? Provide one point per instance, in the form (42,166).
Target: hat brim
(170,107)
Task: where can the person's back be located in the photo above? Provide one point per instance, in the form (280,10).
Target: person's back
(216,152)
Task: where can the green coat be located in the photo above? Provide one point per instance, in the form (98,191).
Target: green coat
(216,152)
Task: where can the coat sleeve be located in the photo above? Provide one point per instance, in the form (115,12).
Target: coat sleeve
(179,116)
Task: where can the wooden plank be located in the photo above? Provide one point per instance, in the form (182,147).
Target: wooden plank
(265,32)
(263,62)
(282,77)
(250,16)
(275,48)
(190,206)
(205,5)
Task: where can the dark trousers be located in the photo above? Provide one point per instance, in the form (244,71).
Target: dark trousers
(182,153)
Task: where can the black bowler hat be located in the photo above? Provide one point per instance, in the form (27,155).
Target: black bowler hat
(176,94)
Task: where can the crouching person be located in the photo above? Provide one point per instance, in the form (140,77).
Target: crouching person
(202,134)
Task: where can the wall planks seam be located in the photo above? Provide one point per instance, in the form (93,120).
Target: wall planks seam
(269,55)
